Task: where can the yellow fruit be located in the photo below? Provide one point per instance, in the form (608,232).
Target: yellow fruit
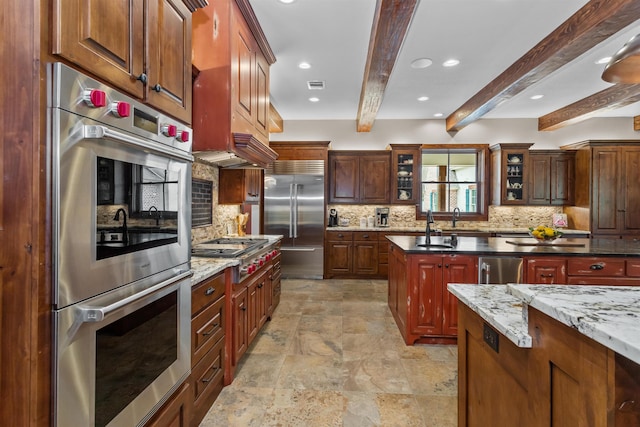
(550,232)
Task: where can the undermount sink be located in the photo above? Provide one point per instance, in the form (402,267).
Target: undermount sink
(435,245)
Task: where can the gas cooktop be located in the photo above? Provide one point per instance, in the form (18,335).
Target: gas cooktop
(227,247)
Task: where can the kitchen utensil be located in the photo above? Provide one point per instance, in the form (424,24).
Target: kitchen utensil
(242,219)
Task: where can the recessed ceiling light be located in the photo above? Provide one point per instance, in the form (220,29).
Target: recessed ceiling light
(423,98)
(314,99)
(604,60)
(537,96)
(304,65)
(421,63)
(450,63)
(438,115)
(287,1)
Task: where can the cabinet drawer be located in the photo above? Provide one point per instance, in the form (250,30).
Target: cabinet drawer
(603,281)
(340,236)
(633,268)
(596,267)
(206,329)
(365,236)
(207,377)
(206,292)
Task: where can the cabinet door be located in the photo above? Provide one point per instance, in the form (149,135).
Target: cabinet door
(253,309)
(630,187)
(106,38)
(262,95)
(607,200)
(425,317)
(242,65)
(177,411)
(238,186)
(261,308)
(338,258)
(344,179)
(375,170)
(240,324)
(365,257)
(169,57)
(562,178)
(404,173)
(457,269)
(546,271)
(540,186)
(253,184)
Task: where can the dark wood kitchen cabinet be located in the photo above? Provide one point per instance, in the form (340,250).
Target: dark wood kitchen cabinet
(546,270)
(551,177)
(208,323)
(354,254)
(510,172)
(359,177)
(238,186)
(606,189)
(176,412)
(405,176)
(231,89)
(140,47)
(338,253)
(424,310)
(365,253)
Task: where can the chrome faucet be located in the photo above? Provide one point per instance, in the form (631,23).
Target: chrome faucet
(124,222)
(427,234)
(153,208)
(456,214)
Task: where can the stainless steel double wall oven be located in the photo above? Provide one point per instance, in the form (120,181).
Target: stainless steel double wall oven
(120,192)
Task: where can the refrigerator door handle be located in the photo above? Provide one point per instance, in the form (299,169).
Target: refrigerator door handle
(295,210)
(291,206)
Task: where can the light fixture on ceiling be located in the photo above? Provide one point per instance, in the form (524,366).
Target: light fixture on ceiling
(534,97)
(604,60)
(438,115)
(314,99)
(450,63)
(287,1)
(304,65)
(624,66)
(421,63)
(423,98)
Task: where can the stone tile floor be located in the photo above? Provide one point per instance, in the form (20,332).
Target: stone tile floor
(333,356)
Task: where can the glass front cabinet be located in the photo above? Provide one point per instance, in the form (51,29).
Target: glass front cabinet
(405,159)
(510,173)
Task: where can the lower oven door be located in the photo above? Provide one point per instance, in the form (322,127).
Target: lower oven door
(120,355)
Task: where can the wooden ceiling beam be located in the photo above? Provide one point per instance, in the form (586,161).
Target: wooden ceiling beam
(636,123)
(616,96)
(593,23)
(390,25)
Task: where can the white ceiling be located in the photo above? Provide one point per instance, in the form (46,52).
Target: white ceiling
(487,36)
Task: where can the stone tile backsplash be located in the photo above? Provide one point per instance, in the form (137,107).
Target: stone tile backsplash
(499,216)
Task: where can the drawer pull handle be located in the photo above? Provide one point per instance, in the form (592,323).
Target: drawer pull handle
(546,275)
(628,406)
(210,290)
(340,235)
(365,236)
(208,380)
(596,267)
(260,286)
(211,331)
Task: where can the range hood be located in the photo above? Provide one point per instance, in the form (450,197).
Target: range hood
(244,151)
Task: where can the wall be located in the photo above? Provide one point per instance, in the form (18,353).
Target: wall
(223,215)
(343,135)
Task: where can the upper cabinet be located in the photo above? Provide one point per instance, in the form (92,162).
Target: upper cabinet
(140,47)
(405,161)
(239,186)
(359,176)
(510,164)
(551,177)
(607,177)
(231,89)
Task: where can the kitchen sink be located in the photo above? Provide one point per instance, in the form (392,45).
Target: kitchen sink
(435,245)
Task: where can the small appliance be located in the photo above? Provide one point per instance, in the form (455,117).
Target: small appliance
(333,218)
(382,217)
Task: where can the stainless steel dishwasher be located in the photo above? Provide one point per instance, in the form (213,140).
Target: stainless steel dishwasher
(500,270)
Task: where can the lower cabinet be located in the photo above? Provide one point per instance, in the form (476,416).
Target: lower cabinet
(177,411)
(605,271)
(424,309)
(208,321)
(356,254)
(546,271)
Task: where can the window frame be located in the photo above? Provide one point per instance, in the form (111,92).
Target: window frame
(484,183)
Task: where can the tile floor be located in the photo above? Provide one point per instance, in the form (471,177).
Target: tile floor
(333,356)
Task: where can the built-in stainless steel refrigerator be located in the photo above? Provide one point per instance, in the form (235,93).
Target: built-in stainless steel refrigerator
(294,207)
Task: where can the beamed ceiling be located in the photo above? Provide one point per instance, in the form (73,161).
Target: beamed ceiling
(509,50)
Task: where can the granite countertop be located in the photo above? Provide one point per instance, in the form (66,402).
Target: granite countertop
(610,315)
(482,229)
(203,268)
(500,246)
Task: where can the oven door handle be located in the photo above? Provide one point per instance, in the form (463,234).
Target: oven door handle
(98,314)
(103,132)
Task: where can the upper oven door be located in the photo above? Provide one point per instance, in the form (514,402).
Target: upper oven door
(104,178)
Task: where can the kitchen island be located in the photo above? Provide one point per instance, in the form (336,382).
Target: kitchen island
(540,355)
(426,312)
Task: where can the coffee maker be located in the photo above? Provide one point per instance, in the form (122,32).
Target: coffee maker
(382,217)
(333,218)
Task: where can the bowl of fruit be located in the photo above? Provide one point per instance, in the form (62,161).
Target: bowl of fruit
(542,233)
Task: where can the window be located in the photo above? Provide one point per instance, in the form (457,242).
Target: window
(454,178)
